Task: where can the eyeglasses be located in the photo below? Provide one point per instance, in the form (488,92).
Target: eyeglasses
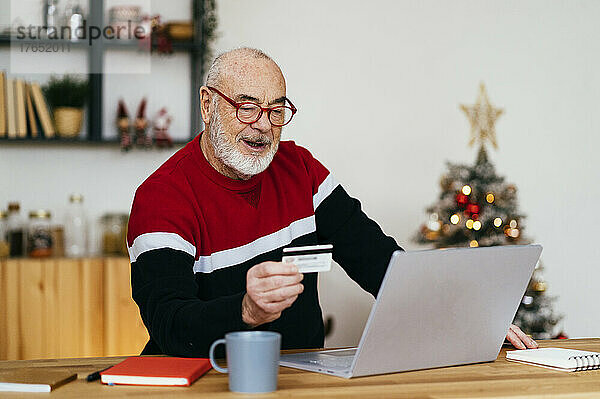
(249,112)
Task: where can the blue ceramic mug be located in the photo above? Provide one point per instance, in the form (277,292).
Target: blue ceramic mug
(252,360)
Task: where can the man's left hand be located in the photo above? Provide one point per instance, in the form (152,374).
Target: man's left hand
(519,339)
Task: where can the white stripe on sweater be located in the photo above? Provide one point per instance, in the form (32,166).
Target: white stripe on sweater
(324,190)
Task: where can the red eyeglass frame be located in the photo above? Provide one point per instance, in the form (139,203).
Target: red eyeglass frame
(237,107)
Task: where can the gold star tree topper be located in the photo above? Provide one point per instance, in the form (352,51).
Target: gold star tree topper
(482,116)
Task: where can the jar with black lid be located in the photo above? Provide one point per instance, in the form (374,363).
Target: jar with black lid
(16,230)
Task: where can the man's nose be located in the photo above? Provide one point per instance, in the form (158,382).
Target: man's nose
(263,123)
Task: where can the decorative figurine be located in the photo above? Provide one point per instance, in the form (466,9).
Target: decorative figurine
(141,125)
(160,126)
(123,126)
(160,35)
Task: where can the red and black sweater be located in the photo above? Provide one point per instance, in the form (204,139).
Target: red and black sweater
(194,233)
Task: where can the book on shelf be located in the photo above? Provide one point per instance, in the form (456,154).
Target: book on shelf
(2,104)
(42,110)
(11,117)
(163,371)
(31,120)
(33,380)
(23,110)
(20,108)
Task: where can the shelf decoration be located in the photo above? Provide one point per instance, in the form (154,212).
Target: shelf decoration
(67,97)
(142,139)
(160,126)
(123,126)
(164,45)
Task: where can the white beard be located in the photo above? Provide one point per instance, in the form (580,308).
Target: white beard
(228,153)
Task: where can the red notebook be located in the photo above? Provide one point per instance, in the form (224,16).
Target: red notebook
(165,371)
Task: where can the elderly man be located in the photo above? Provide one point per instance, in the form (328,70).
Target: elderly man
(207,229)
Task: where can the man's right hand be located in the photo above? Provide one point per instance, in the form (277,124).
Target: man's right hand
(271,287)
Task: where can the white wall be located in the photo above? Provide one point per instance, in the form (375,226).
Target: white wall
(378,86)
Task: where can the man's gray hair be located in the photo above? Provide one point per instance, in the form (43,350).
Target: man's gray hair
(214,72)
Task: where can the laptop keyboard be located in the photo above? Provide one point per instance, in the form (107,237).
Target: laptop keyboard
(333,361)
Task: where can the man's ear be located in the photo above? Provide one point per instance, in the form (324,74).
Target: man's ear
(205,102)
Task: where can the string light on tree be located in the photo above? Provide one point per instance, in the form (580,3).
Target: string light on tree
(434,224)
(454,219)
(498,222)
(539,286)
(490,198)
(527,300)
(512,233)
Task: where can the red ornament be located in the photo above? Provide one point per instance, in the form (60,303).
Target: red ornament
(561,335)
(462,199)
(474,216)
(473,208)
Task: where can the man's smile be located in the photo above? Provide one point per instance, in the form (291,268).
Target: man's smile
(255,145)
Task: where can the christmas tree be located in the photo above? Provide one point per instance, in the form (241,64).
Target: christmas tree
(476,207)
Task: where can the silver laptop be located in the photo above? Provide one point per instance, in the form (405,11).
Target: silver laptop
(435,308)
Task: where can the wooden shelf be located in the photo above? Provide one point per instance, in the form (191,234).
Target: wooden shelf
(184,46)
(75,142)
(133,45)
(6,40)
(96,55)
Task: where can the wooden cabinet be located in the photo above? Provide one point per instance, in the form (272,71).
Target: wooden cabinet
(55,308)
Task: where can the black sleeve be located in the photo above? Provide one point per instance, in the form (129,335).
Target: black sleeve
(164,288)
(359,244)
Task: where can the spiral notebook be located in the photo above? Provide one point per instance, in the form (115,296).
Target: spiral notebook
(557,358)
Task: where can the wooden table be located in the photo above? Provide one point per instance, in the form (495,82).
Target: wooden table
(485,380)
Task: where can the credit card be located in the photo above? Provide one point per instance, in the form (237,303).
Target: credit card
(309,259)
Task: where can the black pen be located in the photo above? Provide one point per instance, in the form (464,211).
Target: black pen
(96,375)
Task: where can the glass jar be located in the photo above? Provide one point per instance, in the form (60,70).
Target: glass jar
(114,233)
(75,228)
(16,230)
(39,235)
(4,247)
